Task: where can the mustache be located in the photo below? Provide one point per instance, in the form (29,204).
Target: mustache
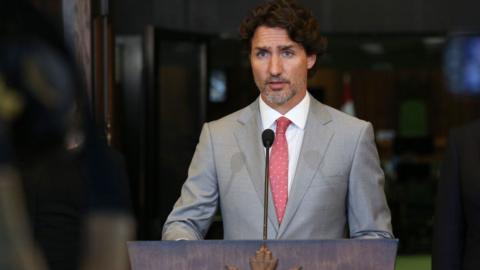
(276,80)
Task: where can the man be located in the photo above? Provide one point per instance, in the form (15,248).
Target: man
(326,181)
(456,239)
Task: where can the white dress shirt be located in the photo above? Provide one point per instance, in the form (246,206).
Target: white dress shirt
(294,133)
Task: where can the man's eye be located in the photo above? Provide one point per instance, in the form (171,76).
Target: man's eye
(261,54)
(287,53)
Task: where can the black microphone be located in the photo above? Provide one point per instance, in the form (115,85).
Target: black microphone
(267,138)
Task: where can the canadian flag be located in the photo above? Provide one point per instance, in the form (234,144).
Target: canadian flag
(347,104)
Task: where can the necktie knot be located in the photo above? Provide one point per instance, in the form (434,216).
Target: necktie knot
(282,124)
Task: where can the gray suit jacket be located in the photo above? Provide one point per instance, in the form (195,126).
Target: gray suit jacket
(337,190)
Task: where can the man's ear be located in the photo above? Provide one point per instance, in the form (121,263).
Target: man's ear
(311,59)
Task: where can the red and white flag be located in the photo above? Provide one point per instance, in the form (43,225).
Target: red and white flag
(347,103)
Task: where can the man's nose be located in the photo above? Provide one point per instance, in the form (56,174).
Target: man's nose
(275,66)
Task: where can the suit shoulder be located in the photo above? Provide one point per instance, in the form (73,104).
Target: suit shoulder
(344,119)
(229,122)
(348,129)
(465,133)
(473,127)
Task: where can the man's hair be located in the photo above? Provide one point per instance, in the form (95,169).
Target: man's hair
(300,24)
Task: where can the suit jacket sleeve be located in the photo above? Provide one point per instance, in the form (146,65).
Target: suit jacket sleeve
(194,210)
(449,228)
(368,212)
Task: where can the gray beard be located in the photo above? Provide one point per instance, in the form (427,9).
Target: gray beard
(279,99)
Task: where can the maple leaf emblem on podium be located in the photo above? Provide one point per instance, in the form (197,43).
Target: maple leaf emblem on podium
(263,260)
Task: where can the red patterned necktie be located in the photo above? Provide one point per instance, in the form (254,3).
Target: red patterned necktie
(279,168)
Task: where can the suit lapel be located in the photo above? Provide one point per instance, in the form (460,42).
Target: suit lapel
(316,139)
(249,141)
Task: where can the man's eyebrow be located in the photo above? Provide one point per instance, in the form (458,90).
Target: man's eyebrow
(264,48)
(286,47)
(280,47)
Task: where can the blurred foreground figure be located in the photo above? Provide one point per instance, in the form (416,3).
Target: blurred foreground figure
(17,251)
(456,241)
(71,194)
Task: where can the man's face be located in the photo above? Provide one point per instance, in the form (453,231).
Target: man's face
(279,67)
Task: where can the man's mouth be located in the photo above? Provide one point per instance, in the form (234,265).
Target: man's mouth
(277,85)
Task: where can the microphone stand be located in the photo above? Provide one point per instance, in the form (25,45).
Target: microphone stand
(265,193)
(264,259)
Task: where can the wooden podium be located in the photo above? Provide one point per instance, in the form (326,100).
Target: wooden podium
(351,254)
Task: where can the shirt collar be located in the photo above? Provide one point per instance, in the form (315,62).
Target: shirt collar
(298,114)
